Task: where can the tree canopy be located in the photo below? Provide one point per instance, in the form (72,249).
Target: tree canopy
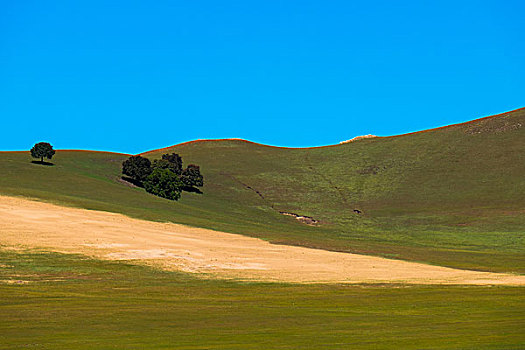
(175,162)
(137,168)
(164,183)
(191,176)
(161,164)
(164,177)
(42,150)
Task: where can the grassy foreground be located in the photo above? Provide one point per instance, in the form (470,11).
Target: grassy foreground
(58,301)
(452,196)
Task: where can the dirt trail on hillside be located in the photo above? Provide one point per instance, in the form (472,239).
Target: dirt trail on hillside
(31,224)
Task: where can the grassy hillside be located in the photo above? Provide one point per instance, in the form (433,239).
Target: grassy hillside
(57,301)
(452,196)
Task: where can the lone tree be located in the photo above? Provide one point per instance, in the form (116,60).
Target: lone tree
(164,183)
(41,150)
(137,168)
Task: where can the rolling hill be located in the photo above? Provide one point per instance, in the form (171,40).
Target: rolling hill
(452,196)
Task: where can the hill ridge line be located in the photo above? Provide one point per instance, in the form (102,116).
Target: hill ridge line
(334,145)
(271,146)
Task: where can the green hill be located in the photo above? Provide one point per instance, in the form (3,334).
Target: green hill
(452,196)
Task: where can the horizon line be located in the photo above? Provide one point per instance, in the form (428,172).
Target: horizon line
(276,146)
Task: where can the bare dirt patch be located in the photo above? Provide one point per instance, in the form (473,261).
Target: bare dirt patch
(14,282)
(31,224)
(308,220)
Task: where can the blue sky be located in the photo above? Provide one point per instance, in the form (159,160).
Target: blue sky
(131,76)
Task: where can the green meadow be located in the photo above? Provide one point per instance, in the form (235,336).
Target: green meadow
(70,302)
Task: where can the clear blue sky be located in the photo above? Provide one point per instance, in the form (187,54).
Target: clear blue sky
(131,76)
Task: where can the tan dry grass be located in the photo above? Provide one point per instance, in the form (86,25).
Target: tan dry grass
(31,224)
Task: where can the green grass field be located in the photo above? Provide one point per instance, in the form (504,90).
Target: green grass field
(452,196)
(71,302)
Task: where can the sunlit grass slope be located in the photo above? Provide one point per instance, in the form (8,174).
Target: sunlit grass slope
(452,196)
(56,301)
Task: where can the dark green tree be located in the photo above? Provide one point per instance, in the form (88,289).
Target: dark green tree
(41,150)
(191,176)
(161,164)
(175,162)
(164,177)
(164,183)
(137,168)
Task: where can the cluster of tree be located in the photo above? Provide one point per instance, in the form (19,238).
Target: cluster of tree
(164,177)
(42,150)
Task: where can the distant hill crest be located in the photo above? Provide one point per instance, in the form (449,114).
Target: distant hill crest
(357,138)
